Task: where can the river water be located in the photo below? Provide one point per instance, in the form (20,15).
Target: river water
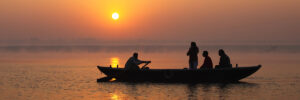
(70,73)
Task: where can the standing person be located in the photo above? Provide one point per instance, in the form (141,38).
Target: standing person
(193,54)
(224,60)
(133,62)
(207,64)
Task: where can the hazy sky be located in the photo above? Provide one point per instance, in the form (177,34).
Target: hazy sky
(150,20)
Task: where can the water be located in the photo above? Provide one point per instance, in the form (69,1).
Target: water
(70,73)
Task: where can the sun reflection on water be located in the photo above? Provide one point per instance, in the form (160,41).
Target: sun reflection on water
(114,62)
(112,79)
(115,97)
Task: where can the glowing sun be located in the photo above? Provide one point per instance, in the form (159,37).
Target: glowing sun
(115,16)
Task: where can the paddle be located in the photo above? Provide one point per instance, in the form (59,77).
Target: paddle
(146,64)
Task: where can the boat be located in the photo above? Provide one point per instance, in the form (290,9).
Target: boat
(179,75)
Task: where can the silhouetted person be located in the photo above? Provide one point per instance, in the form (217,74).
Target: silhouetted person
(224,60)
(207,64)
(133,62)
(193,53)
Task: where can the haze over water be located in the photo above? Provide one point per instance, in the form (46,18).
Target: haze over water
(70,73)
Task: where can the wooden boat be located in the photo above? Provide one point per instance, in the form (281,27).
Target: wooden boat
(180,75)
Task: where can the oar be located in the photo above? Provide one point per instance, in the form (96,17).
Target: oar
(145,65)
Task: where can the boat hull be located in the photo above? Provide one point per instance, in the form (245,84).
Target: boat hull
(180,75)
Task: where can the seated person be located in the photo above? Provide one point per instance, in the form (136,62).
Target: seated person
(133,62)
(224,60)
(207,64)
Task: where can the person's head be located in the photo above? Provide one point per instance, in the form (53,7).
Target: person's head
(221,52)
(193,44)
(135,55)
(205,54)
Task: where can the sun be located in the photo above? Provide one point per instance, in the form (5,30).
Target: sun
(115,16)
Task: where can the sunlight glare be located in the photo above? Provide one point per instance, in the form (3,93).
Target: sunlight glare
(112,79)
(115,16)
(114,62)
(115,97)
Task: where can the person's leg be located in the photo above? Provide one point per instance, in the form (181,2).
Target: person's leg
(136,67)
(146,68)
(217,67)
(195,65)
(190,65)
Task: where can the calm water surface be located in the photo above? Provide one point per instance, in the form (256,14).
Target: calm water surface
(70,73)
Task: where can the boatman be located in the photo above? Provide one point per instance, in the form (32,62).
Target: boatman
(133,62)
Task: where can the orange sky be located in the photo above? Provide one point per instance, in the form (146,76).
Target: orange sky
(155,20)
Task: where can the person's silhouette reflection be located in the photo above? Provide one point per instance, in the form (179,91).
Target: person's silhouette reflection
(192,91)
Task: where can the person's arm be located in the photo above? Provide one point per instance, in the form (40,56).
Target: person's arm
(189,52)
(210,62)
(146,61)
(206,62)
(228,59)
(202,64)
(137,61)
(143,61)
(221,61)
